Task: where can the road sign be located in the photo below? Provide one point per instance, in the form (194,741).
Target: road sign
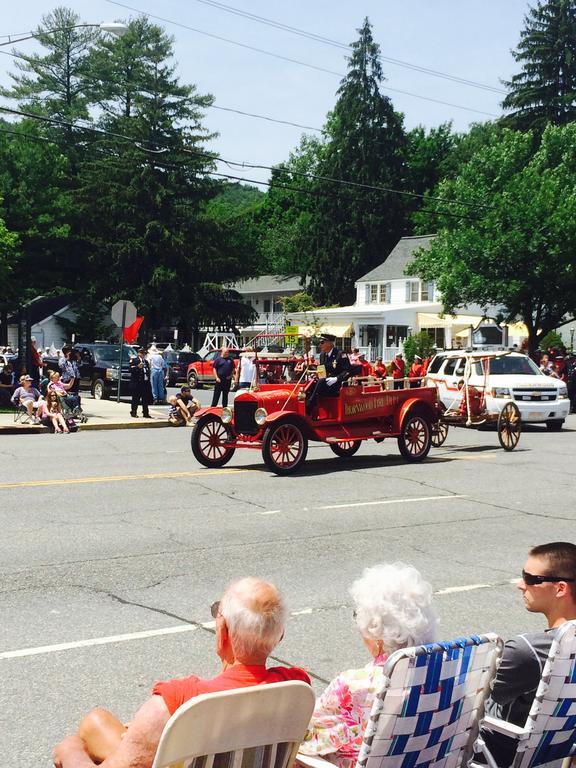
(291,335)
(124,313)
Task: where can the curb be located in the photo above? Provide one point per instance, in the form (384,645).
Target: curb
(39,429)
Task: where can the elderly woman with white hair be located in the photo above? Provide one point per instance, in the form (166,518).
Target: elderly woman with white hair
(392,609)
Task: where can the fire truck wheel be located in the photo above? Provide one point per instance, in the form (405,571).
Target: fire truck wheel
(284,447)
(439,434)
(346,448)
(209,437)
(415,438)
(509,426)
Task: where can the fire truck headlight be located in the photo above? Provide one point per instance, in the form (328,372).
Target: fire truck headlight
(260,416)
(227,414)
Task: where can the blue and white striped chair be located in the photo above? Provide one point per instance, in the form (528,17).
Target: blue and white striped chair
(549,736)
(427,712)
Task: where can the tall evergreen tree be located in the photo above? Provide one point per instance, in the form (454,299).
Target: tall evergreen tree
(353,228)
(142,195)
(53,83)
(544,91)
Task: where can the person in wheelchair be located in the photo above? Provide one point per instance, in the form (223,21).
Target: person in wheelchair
(333,371)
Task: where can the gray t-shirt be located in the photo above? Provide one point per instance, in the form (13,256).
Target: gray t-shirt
(514,687)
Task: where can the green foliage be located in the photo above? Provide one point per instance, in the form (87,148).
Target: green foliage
(509,238)
(544,91)
(233,200)
(298,302)
(419,344)
(352,229)
(551,340)
(430,157)
(9,253)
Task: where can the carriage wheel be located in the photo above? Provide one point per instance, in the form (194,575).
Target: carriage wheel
(284,447)
(439,434)
(209,438)
(416,437)
(509,426)
(345,448)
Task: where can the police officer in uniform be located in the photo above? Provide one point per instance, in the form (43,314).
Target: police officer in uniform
(140,383)
(337,367)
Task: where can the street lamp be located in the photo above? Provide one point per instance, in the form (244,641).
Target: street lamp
(113,27)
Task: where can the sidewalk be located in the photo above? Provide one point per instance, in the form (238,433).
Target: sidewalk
(102,414)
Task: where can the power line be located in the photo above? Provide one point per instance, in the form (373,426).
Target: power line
(291,60)
(269,184)
(267,118)
(253,166)
(343,46)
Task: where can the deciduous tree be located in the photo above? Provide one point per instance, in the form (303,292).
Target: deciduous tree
(507,239)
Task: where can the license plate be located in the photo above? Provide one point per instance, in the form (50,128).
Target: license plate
(535,415)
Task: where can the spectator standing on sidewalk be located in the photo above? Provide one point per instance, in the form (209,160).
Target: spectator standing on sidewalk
(246,370)
(157,370)
(223,370)
(140,383)
(70,373)
(36,362)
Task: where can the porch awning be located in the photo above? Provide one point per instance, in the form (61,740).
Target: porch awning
(336,329)
(460,321)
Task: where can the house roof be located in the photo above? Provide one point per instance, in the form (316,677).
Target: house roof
(43,307)
(400,256)
(268,284)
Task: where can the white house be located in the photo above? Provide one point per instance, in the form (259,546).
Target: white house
(44,313)
(389,307)
(264,295)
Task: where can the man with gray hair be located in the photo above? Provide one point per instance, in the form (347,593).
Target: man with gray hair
(250,620)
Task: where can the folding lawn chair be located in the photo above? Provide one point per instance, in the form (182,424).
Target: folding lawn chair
(257,727)
(549,734)
(427,712)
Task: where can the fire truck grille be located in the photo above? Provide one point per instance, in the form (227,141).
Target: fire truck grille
(244,423)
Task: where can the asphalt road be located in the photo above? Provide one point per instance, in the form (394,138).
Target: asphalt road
(114,544)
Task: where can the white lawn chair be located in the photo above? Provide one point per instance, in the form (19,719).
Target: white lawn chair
(257,727)
(427,712)
(549,734)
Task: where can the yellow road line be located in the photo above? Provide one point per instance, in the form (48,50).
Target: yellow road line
(120,478)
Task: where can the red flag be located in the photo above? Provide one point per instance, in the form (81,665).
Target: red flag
(131,331)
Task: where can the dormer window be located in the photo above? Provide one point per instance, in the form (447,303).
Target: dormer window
(385,293)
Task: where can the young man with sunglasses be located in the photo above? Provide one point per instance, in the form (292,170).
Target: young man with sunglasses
(548,586)
(250,622)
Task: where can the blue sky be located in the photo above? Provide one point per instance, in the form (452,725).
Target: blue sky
(468,39)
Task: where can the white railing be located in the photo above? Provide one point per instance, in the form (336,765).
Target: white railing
(386,353)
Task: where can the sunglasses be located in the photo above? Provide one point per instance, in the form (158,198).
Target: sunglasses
(215,609)
(531,579)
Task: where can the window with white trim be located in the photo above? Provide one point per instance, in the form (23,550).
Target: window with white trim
(373,294)
(385,293)
(412,291)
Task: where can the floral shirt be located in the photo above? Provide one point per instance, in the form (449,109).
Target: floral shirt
(341,714)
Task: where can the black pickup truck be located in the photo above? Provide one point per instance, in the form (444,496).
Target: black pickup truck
(99,365)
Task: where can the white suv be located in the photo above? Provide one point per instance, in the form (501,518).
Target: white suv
(508,377)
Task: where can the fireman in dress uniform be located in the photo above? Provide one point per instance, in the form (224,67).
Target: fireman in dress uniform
(337,366)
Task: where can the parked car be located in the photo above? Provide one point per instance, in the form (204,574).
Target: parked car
(201,371)
(5,359)
(178,363)
(507,378)
(99,365)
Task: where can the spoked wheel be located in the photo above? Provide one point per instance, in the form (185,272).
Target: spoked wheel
(209,438)
(284,447)
(509,426)
(346,448)
(416,437)
(439,434)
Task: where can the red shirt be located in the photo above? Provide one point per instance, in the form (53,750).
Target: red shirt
(398,367)
(178,692)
